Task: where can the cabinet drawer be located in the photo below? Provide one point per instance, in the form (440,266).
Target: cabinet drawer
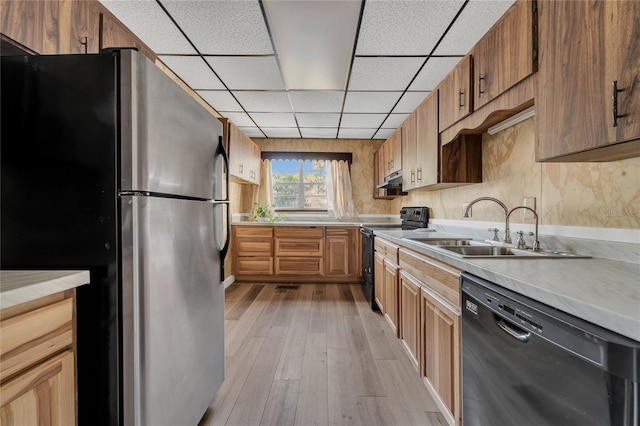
(299,247)
(254,266)
(387,249)
(32,336)
(254,246)
(442,279)
(299,232)
(300,266)
(254,231)
(339,232)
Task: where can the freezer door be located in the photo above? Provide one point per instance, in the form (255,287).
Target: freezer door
(173,311)
(168,140)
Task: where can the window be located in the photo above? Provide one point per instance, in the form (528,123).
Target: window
(299,184)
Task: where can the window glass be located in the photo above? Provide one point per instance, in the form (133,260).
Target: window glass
(299,184)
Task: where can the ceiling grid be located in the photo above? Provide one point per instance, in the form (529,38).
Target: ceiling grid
(311,68)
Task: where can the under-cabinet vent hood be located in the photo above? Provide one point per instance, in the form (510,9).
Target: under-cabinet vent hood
(394,180)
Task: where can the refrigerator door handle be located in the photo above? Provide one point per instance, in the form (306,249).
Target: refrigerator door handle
(221,152)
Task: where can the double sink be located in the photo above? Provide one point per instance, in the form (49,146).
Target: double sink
(469,248)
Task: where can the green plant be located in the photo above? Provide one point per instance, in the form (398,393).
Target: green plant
(265,213)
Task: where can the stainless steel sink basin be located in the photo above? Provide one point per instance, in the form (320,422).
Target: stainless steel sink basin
(442,241)
(507,253)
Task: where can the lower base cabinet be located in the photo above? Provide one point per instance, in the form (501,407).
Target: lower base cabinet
(410,317)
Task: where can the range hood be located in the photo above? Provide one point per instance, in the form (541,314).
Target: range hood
(394,180)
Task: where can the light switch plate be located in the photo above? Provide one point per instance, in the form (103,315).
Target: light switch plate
(531,203)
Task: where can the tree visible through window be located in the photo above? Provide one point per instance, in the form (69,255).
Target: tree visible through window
(299,184)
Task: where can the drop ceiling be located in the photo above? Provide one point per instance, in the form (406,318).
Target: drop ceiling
(311,69)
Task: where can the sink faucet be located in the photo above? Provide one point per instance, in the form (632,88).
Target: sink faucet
(507,236)
(536,243)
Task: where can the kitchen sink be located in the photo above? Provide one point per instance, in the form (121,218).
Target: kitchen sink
(488,251)
(443,241)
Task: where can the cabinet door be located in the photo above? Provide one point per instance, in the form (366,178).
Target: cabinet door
(115,34)
(391,287)
(237,153)
(337,256)
(455,94)
(505,55)
(256,161)
(410,317)
(395,152)
(379,284)
(441,357)
(43,395)
(427,144)
(409,150)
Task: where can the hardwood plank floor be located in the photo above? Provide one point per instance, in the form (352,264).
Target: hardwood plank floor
(314,354)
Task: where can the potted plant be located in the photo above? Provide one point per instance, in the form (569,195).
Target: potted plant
(264,213)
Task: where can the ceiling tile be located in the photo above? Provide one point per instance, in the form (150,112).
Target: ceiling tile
(252,132)
(317,120)
(240,119)
(248,73)
(362,120)
(222,27)
(404,27)
(384,133)
(370,102)
(394,121)
(383,73)
(474,21)
(263,101)
(410,101)
(151,24)
(220,100)
(193,71)
(356,133)
(324,133)
(281,132)
(275,119)
(433,72)
(316,101)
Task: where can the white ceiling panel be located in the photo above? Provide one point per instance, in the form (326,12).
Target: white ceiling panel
(240,119)
(252,132)
(410,101)
(221,100)
(248,73)
(356,133)
(383,73)
(404,27)
(362,121)
(264,101)
(193,71)
(273,119)
(277,132)
(222,27)
(317,120)
(316,101)
(152,25)
(370,101)
(324,133)
(394,121)
(474,21)
(384,133)
(433,72)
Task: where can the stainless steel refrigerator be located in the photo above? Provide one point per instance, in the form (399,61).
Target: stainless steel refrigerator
(108,165)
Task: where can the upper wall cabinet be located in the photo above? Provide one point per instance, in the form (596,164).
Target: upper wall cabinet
(420,145)
(244,157)
(588,96)
(507,54)
(456,95)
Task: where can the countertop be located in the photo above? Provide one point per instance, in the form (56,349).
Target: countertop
(23,286)
(312,223)
(601,291)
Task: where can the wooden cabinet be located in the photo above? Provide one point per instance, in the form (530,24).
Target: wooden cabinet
(253,250)
(115,34)
(386,285)
(244,157)
(299,250)
(378,278)
(507,54)
(420,146)
(589,71)
(456,94)
(410,317)
(37,374)
(409,129)
(342,246)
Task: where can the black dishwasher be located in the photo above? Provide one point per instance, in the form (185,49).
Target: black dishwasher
(525,363)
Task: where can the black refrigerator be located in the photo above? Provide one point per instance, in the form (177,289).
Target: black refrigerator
(108,165)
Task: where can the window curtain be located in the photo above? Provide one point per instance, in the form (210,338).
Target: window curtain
(263,193)
(339,194)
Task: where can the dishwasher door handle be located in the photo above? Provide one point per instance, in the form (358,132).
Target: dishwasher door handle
(519,335)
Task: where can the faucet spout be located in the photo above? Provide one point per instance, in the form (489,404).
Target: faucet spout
(536,243)
(507,235)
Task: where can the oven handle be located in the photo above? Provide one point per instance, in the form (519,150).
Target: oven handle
(518,334)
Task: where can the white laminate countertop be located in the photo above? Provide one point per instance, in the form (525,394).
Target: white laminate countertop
(312,223)
(24,286)
(601,291)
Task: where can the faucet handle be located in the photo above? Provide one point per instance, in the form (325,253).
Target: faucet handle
(495,233)
(521,243)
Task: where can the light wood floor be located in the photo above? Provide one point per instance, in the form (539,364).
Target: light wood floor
(314,355)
